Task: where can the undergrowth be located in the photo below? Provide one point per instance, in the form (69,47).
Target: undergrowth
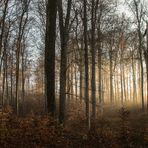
(43,131)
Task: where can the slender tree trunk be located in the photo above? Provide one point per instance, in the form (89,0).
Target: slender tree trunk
(76,83)
(99,65)
(17,77)
(72,92)
(11,82)
(7,88)
(81,79)
(124,83)
(111,77)
(86,65)
(121,82)
(147,65)
(23,80)
(134,83)
(93,70)
(3,84)
(141,64)
(81,72)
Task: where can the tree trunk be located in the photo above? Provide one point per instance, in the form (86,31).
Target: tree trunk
(86,66)
(50,56)
(99,65)
(134,83)
(111,77)
(141,64)
(93,70)
(64,36)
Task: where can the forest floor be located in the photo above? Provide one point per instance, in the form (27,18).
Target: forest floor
(114,127)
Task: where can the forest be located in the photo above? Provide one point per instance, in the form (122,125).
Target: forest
(73,73)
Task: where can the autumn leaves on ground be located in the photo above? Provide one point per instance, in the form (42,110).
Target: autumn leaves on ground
(115,128)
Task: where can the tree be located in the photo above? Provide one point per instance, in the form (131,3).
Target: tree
(64,37)
(86,64)
(2,24)
(139,11)
(93,50)
(50,38)
(21,28)
(146,59)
